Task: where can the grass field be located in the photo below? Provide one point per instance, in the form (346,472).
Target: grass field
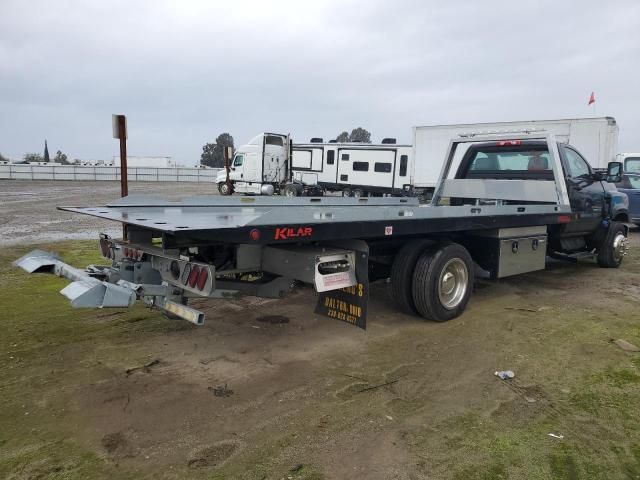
(68,411)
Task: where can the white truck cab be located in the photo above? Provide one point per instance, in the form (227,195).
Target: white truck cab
(258,168)
(630,162)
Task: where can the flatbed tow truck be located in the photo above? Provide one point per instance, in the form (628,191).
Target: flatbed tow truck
(511,201)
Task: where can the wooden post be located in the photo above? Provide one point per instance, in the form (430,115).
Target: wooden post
(119,127)
(122,135)
(226,155)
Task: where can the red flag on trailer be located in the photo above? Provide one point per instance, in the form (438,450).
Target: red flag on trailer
(592,99)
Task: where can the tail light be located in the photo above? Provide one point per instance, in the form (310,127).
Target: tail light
(202,278)
(132,253)
(193,276)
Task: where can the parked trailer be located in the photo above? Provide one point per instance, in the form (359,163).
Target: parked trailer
(492,214)
(354,169)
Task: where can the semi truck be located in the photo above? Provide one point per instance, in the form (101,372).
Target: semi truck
(261,167)
(502,205)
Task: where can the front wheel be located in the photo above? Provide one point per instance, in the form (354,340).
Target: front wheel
(614,246)
(224,188)
(442,282)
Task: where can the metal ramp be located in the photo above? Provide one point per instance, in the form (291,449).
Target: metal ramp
(84,291)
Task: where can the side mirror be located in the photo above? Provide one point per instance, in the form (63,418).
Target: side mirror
(614,172)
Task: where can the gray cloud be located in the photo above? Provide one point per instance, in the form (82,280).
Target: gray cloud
(185,71)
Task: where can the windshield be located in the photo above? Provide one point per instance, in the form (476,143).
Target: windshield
(632,164)
(494,160)
(634,180)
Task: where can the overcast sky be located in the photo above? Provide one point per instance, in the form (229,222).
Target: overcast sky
(185,71)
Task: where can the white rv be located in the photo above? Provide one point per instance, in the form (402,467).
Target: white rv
(355,169)
(595,138)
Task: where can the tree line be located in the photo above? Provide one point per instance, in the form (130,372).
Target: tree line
(213,153)
(43,157)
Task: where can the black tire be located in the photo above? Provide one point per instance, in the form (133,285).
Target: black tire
(611,251)
(291,190)
(346,192)
(224,188)
(431,265)
(402,274)
(358,192)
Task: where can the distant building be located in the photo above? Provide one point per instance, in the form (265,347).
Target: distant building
(149,162)
(48,164)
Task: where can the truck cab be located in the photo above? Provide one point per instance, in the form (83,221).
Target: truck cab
(258,168)
(630,162)
(592,198)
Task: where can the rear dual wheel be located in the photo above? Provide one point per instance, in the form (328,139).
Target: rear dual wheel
(402,274)
(433,281)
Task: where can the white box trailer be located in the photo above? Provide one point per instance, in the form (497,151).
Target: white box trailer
(595,138)
(355,169)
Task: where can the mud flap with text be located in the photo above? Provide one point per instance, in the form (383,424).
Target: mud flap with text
(349,304)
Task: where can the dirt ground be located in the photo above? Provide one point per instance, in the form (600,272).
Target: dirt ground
(28,208)
(309,397)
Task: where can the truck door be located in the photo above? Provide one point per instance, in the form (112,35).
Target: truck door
(236,173)
(252,167)
(586,195)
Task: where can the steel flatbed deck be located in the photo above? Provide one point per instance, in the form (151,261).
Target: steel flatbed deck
(204,219)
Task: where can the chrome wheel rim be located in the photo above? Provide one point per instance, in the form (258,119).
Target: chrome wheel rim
(357,193)
(290,193)
(224,189)
(619,247)
(453,283)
